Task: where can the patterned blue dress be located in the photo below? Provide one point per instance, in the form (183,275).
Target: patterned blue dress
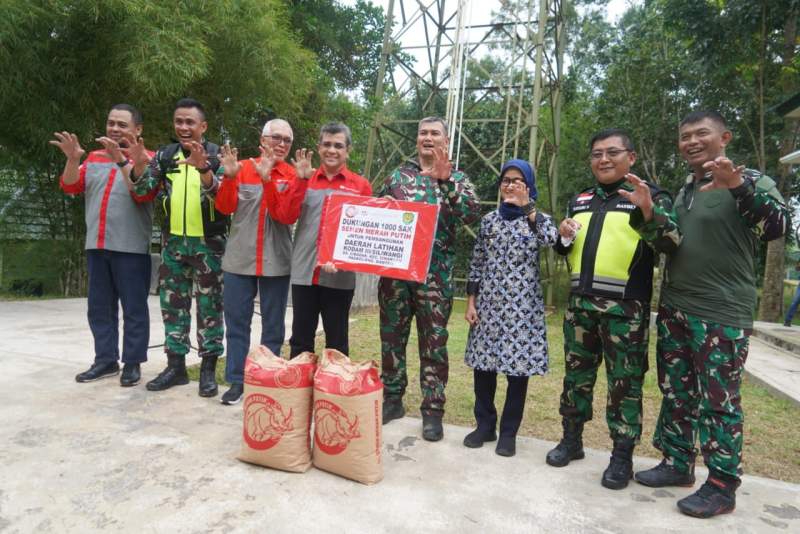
(510,336)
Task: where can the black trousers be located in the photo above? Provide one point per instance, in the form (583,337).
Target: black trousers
(485,412)
(308,303)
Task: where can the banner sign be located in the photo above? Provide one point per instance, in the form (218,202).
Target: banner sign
(391,238)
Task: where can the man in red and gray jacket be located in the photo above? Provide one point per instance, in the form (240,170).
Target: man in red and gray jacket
(118,228)
(264,196)
(317,291)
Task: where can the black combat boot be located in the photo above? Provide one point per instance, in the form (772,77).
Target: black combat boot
(571,445)
(664,475)
(392,409)
(173,375)
(620,469)
(208,377)
(432,427)
(717,496)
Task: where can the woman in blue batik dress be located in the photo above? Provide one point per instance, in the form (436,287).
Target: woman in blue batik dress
(505,306)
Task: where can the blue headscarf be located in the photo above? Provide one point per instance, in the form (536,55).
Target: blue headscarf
(510,211)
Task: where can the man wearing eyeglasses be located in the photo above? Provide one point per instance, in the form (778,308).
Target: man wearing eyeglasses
(611,275)
(705,316)
(323,291)
(433,180)
(263,195)
(193,241)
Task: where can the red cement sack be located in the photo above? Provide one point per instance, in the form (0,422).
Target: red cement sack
(277,410)
(348,403)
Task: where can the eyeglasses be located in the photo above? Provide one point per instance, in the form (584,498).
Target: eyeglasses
(337,146)
(278,139)
(612,153)
(511,181)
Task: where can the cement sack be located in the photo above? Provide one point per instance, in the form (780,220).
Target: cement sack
(348,403)
(277,410)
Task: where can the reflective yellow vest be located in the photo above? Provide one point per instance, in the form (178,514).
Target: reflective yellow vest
(607,257)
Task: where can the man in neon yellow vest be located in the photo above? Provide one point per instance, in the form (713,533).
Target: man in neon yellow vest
(611,275)
(193,242)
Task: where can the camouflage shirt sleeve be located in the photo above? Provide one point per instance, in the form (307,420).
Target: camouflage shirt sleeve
(761,206)
(661,232)
(150,178)
(461,197)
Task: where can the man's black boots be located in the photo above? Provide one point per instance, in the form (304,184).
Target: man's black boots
(620,469)
(571,445)
(208,377)
(173,375)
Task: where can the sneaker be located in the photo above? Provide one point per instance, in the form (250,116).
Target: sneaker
(233,395)
(432,427)
(664,475)
(477,438)
(715,497)
(392,409)
(97,371)
(131,374)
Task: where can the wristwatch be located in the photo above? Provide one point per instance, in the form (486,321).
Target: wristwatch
(529,208)
(121,164)
(203,170)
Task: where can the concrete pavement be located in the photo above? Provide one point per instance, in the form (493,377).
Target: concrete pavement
(97,457)
(774,359)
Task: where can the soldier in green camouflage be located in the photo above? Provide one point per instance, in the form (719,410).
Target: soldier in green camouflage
(611,274)
(194,235)
(705,316)
(431,180)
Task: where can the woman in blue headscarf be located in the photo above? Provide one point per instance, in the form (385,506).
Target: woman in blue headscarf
(505,305)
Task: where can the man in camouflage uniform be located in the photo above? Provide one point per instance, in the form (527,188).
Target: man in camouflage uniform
(705,316)
(192,246)
(431,180)
(611,271)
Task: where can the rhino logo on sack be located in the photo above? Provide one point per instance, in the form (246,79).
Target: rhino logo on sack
(333,430)
(264,422)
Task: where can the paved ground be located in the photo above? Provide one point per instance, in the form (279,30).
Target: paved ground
(97,457)
(774,359)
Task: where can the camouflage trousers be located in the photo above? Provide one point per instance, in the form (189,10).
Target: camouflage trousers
(192,266)
(700,365)
(399,302)
(591,337)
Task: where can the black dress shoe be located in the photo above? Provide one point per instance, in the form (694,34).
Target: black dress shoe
(97,371)
(506,446)
(477,438)
(131,374)
(432,428)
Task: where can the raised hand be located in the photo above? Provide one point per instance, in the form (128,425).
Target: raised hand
(137,152)
(568,228)
(302,163)
(112,148)
(265,164)
(640,196)
(198,158)
(442,167)
(229,158)
(69,145)
(520,192)
(724,174)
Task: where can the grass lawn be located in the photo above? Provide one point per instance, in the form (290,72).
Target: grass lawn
(772,435)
